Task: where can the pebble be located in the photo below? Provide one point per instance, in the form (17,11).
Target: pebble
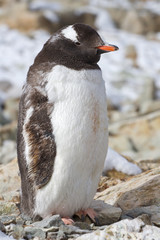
(54,220)
(8,219)
(31,232)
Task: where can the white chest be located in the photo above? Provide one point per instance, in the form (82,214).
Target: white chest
(79,122)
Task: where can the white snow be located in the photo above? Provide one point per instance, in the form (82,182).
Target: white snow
(115,161)
(17,53)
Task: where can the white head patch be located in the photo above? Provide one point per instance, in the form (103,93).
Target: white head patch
(70,33)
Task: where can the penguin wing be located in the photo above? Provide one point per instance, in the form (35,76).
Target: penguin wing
(41,141)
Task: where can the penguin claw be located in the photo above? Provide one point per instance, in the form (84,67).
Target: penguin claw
(96,221)
(91,214)
(83,217)
(88,212)
(68,221)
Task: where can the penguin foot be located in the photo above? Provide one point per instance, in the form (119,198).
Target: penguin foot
(90,212)
(68,221)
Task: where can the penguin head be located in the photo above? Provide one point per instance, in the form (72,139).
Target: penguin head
(78,43)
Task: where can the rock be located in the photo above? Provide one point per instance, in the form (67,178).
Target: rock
(61,236)
(139,137)
(153,211)
(8,131)
(133,16)
(131,53)
(150,210)
(48,222)
(82,225)
(145,21)
(149,106)
(13,196)
(106,214)
(17,231)
(31,232)
(2,227)
(47,15)
(8,208)
(138,191)
(155,219)
(125,229)
(147,93)
(106,182)
(26,21)
(69,229)
(10,181)
(8,151)
(8,219)
(145,218)
(136,87)
(11,108)
(3,119)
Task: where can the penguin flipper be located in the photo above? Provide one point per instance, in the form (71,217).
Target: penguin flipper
(41,140)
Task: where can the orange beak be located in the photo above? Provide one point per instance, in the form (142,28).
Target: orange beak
(107,48)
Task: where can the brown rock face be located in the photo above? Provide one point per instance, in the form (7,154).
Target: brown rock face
(139,137)
(141,190)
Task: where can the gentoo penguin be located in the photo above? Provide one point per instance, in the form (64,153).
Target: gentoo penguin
(62,128)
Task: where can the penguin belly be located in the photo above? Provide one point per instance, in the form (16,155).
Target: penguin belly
(79,123)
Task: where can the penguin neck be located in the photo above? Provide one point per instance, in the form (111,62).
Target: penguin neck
(61,59)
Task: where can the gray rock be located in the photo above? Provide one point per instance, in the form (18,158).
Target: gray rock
(69,229)
(52,235)
(144,21)
(18,231)
(31,232)
(54,220)
(8,151)
(145,218)
(149,106)
(3,119)
(106,214)
(51,229)
(2,227)
(82,225)
(8,131)
(6,220)
(61,236)
(7,208)
(150,210)
(10,228)
(155,219)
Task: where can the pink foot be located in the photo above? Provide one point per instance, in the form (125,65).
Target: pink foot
(68,221)
(89,211)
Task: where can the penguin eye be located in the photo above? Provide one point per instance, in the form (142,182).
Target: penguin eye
(77,43)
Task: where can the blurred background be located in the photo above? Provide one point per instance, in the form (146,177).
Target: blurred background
(132,74)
